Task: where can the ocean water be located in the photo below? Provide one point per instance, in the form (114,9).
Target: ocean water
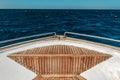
(23,22)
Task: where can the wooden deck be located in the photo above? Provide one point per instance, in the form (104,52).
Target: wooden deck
(54,50)
(59,60)
(59,77)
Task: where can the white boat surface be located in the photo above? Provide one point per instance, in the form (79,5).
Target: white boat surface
(107,70)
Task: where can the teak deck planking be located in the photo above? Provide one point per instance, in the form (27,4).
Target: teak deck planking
(59,60)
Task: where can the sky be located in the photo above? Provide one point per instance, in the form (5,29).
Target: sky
(59,4)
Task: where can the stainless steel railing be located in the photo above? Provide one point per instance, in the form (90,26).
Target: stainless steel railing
(27,37)
(54,34)
(86,35)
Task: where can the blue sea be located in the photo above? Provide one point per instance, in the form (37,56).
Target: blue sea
(16,23)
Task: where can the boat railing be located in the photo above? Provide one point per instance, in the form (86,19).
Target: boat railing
(27,37)
(91,36)
(50,34)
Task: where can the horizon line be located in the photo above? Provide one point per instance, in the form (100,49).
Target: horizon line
(65,8)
